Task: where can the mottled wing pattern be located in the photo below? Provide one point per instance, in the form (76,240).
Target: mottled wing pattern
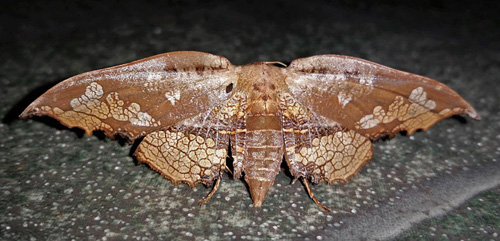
(320,149)
(139,97)
(369,98)
(195,150)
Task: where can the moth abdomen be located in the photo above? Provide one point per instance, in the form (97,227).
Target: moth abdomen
(264,145)
(264,148)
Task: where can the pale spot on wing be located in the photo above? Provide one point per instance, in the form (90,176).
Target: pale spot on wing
(366,80)
(368,121)
(94,91)
(411,112)
(419,96)
(173,96)
(344,98)
(445,111)
(142,119)
(90,104)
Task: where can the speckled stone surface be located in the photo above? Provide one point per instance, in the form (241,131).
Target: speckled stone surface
(59,185)
(477,219)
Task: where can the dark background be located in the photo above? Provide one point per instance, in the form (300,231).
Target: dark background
(59,185)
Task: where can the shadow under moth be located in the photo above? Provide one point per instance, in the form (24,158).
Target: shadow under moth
(320,114)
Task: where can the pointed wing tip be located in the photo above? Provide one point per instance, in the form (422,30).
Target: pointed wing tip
(33,109)
(25,114)
(29,112)
(472,113)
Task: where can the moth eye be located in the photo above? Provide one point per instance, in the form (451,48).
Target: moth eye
(229,88)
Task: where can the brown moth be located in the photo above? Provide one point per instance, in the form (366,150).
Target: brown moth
(321,114)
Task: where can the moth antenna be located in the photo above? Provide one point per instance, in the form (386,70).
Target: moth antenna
(276,62)
(306,183)
(294,180)
(216,186)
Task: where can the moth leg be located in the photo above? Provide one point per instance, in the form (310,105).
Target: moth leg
(216,186)
(238,149)
(306,183)
(228,170)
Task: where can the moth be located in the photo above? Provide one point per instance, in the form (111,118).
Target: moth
(191,109)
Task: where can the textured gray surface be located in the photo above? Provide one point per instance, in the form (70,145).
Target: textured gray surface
(57,184)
